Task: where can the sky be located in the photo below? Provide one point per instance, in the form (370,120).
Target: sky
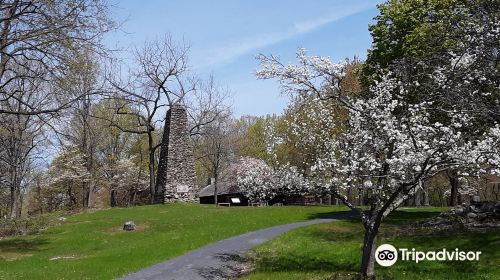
(226,35)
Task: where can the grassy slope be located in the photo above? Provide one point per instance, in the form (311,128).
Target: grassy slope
(103,251)
(315,252)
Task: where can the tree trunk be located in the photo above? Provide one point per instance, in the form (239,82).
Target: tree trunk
(369,247)
(86,150)
(417,198)
(216,191)
(454,184)
(151,168)
(15,195)
(12,201)
(132,198)
(349,195)
(89,194)
(360,196)
(39,194)
(19,205)
(72,198)
(84,195)
(426,197)
(418,194)
(113,198)
(14,204)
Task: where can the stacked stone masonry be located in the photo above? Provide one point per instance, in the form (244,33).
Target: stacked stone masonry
(176,176)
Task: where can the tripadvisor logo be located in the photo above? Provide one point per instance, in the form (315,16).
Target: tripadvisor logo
(387,255)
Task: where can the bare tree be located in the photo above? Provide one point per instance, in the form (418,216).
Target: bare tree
(162,79)
(215,147)
(206,105)
(164,66)
(142,110)
(37,40)
(83,81)
(157,82)
(20,138)
(39,37)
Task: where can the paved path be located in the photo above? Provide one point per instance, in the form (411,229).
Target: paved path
(217,260)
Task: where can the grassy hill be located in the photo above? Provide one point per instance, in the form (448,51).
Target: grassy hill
(333,251)
(93,246)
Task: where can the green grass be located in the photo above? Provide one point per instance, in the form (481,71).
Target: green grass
(333,251)
(101,250)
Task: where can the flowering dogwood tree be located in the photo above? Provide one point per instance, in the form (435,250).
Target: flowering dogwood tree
(128,180)
(68,172)
(253,177)
(406,127)
(436,32)
(259,182)
(288,180)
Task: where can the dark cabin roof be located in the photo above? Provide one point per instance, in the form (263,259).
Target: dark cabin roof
(222,188)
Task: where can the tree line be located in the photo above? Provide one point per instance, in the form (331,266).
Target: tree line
(80,127)
(428,106)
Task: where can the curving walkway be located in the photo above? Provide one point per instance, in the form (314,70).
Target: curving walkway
(218,260)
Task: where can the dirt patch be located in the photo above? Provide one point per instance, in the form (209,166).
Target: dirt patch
(119,229)
(13,256)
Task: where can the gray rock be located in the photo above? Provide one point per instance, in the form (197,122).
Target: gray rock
(459,210)
(129,226)
(497,208)
(487,207)
(472,208)
(492,225)
(482,216)
(472,215)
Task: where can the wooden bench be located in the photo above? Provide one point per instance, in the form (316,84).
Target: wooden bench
(224,204)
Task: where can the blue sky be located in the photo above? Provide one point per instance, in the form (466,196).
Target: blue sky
(226,35)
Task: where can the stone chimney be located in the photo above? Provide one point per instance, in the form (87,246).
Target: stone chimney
(176,177)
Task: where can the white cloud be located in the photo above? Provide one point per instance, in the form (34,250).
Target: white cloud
(232,50)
